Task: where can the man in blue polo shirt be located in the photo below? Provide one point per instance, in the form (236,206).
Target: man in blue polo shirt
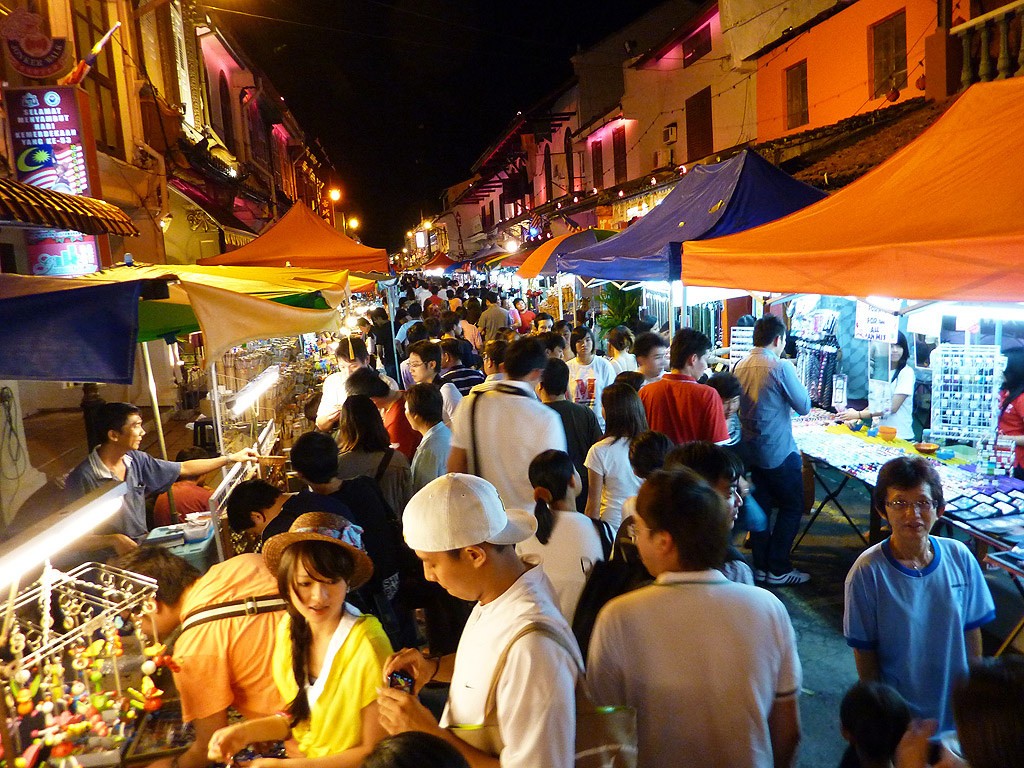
(118,458)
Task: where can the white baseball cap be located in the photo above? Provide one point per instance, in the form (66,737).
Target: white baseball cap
(457,510)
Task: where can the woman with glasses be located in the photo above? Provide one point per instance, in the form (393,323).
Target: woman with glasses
(915,603)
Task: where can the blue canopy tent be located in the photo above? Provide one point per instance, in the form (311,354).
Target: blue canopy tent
(711,200)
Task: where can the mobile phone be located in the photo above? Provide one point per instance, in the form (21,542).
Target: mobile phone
(401,680)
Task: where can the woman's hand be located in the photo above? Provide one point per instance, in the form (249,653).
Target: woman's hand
(227,742)
(849,415)
(912,751)
(413,663)
(401,712)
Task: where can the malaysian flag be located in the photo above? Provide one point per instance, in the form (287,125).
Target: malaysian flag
(37,166)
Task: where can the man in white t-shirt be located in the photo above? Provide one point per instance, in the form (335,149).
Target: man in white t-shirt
(501,426)
(466,539)
(352,355)
(710,665)
(425,368)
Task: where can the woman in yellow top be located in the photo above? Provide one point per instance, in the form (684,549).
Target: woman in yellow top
(328,658)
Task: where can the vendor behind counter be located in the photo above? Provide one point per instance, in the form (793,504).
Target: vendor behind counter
(900,411)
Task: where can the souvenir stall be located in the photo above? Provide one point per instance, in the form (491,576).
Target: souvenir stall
(935,250)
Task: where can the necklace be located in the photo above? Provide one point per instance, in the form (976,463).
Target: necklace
(914,563)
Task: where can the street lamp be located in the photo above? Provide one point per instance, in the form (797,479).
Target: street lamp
(353,223)
(334,195)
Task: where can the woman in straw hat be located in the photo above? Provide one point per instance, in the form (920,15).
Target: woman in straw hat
(328,658)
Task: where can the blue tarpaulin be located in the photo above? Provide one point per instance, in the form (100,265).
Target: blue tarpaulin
(52,330)
(711,200)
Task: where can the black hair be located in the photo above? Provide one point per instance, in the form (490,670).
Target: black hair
(710,461)
(494,350)
(647,452)
(767,330)
(875,717)
(579,333)
(552,340)
(561,325)
(249,496)
(368,382)
(907,472)
(1013,377)
(323,562)
(417,332)
(647,342)
(449,322)
(541,316)
(112,417)
(473,311)
(314,455)
(683,505)
(726,385)
(988,706)
(901,342)
(620,337)
(428,352)
(523,357)
(352,348)
(172,574)
(414,749)
(624,414)
(425,402)
(415,311)
(555,378)
(360,426)
(633,379)
(685,344)
(552,471)
(452,348)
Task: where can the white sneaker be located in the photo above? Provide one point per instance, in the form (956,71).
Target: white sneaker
(760,576)
(788,579)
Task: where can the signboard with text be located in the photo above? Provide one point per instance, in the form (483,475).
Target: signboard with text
(53,148)
(873,324)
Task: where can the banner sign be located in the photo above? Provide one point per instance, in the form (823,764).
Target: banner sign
(51,150)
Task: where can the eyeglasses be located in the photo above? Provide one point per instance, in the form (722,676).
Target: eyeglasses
(899,505)
(415,364)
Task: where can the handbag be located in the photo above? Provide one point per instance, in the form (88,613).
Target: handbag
(605,736)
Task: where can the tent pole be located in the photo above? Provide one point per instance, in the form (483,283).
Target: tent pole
(558,290)
(684,318)
(153,399)
(215,389)
(671,313)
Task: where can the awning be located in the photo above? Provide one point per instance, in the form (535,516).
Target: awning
(40,207)
(236,232)
(540,261)
(941,219)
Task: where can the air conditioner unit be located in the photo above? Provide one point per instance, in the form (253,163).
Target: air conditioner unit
(663,158)
(668,134)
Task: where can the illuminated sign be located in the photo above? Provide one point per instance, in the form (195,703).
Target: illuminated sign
(30,50)
(51,142)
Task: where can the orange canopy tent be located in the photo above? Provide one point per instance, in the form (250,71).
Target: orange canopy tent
(300,238)
(941,219)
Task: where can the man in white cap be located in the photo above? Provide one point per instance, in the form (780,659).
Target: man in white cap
(466,539)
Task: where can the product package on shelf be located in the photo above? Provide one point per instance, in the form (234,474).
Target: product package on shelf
(965,391)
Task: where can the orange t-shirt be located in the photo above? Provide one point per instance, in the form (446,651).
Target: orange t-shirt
(228,661)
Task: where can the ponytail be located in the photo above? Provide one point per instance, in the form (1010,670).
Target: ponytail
(550,474)
(301,638)
(545,517)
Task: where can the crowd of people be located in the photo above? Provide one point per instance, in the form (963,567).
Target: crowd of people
(497,512)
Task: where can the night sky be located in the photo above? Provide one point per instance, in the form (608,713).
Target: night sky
(405,95)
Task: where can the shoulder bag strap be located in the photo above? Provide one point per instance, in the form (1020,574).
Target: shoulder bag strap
(491,707)
(248,606)
(385,460)
(473,464)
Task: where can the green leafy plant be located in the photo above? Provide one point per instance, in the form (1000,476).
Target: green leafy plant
(620,307)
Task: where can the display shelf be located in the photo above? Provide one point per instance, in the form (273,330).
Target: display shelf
(965,391)
(741,342)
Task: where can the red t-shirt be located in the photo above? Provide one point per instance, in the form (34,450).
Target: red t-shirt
(684,410)
(188,498)
(400,430)
(1011,422)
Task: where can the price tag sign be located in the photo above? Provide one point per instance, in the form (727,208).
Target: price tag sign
(873,324)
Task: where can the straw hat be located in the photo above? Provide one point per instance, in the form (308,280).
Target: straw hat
(457,510)
(322,526)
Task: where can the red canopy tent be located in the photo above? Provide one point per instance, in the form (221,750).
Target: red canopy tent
(439,261)
(300,238)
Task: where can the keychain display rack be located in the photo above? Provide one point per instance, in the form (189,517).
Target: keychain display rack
(62,611)
(965,391)
(741,342)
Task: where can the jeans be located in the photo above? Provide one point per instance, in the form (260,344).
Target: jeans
(780,488)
